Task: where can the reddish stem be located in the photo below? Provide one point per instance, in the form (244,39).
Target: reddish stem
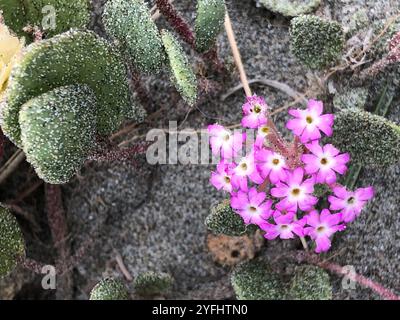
(56,216)
(137,86)
(59,231)
(392,57)
(212,55)
(32,265)
(176,21)
(361,280)
(278,143)
(263,187)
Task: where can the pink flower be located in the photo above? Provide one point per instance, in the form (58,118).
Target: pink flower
(246,168)
(222,179)
(251,206)
(322,227)
(285,227)
(224,142)
(254,110)
(310,122)
(271,164)
(262,133)
(325,162)
(350,204)
(295,192)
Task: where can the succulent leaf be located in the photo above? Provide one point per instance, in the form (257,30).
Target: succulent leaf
(223,220)
(68,14)
(316,42)
(109,289)
(58,131)
(70,58)
(181,72)
(131,24)
(291,8)
(351,98)
(14,15)
(209,21)
(370,139)
(12,245)
(254,280)
(310,283)
(152,283)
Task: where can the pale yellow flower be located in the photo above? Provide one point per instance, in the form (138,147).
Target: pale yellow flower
(10,52)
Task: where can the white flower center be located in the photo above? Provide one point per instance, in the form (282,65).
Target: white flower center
(296,192)
(257,108)
(244,168)
(284,227)
(351,200)
(324,161)
(321,229)
(265,130)
(276,162)
(253,210)
(311,120)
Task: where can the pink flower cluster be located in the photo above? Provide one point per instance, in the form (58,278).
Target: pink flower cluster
(273,185)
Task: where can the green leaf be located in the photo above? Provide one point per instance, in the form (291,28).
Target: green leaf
(310,283)
(209,21)
(316,42)
(12,245)
(152,283)
(223,220)
(181,72)
(370,139)
(68,14)
(58,131)
(131,24)
(74,57)
(255,280)
(109,289)
(291,8)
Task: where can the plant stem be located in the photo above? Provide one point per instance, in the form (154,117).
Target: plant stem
(32,265)
(176,21)
(302,239)
(16,159)
(236,55)
(137,86)
(156,14)
(59,231)
(123,268)
(212,55)
(337,269)
(263,186)
(275,137)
